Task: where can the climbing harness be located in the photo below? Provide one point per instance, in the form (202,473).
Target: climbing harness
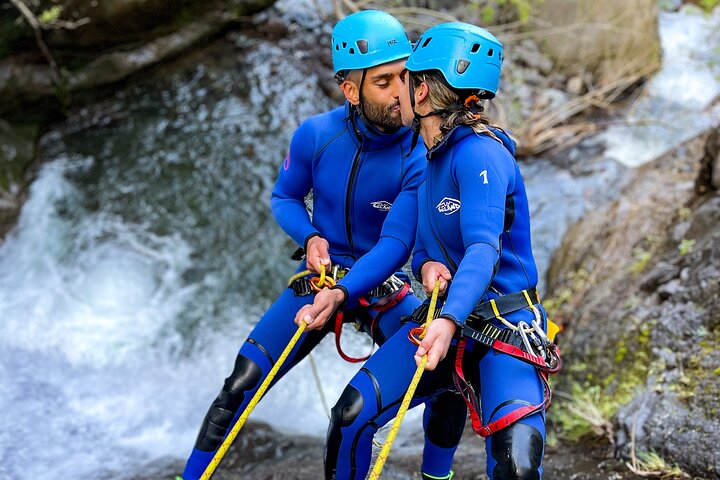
(381,298)
(526,342)
(304,284)
(385,451)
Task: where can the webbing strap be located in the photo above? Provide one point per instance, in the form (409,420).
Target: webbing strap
(468,393)
(338,331)
(506,341)
(387,302)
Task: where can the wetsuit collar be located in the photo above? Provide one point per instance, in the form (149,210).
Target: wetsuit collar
(462,131)
(454,136)
(367,137)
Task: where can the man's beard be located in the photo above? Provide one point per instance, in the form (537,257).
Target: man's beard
(382,116)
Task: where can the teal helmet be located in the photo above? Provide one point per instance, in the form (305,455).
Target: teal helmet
(366,39)
(469,57)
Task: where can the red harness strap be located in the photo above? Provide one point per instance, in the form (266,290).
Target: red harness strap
(388,302)
(537,362)
(338,331)
(468,393)
(380,306)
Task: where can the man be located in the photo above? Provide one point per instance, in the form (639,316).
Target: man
(356,161)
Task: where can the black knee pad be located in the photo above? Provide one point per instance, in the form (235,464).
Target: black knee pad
(245,376)
(344,413)
(446,419)
(518,451)
(347,408)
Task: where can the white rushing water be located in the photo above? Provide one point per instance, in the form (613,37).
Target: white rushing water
(144,254)
(681,100)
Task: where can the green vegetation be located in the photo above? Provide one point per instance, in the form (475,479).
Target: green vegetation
(686,246)
(651,464)
(490,9)
(709,5)
(593,400)
(50,15)
(642,258)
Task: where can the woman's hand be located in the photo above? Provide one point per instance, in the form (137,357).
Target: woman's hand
(325,304)
(435,271)
(436,343)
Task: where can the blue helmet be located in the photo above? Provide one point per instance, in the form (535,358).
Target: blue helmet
(367,39)
(469,57)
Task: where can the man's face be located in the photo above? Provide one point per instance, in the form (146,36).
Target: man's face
(381,91)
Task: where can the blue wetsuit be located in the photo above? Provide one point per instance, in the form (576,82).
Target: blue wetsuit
(365,205)
(473,217)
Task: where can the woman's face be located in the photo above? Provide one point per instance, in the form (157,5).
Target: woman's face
(406,110)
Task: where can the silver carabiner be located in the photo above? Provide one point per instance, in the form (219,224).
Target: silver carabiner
(521,326)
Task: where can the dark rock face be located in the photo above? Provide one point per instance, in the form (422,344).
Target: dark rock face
(108,42)
(17,152)
(709,177)
(643,322)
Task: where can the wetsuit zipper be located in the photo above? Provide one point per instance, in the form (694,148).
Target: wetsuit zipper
(348,198)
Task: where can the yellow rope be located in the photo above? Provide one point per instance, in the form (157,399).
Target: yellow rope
(385,451)
(298,275)
(217,458)
(253,402)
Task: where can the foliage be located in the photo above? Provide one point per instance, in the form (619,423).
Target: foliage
(50,15)
(490,9)
(651,464)
(686,246)
(586,411)
(642,258)
(709,5)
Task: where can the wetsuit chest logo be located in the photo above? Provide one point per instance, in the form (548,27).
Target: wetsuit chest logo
(383,206)
(448,206)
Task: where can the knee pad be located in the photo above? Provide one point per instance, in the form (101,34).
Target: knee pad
(445,419)
(347,408)
(245,376)
(518,451)
(344,413)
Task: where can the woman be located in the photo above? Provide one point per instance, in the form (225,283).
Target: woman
(474,239)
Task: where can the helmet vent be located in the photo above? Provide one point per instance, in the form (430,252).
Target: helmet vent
(337,47)
(351,51)
(490,52)
(362,46)
(425,43)
(344,44)
(462,66)
(475,48)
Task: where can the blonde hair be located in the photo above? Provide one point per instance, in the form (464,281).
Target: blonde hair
(456,110)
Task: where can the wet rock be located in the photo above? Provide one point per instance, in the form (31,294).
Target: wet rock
(17,152)
(527,52)
(709,177)
(658,362)
(575,85)
(662,273)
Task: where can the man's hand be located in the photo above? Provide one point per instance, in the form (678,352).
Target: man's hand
(317,254)
(433,271)
(436,342)
(316,315)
